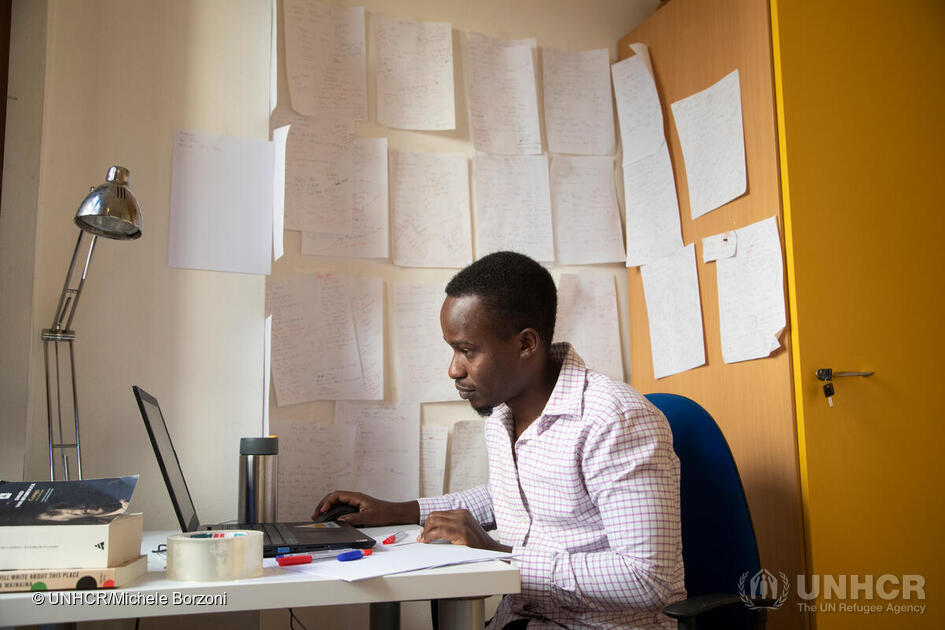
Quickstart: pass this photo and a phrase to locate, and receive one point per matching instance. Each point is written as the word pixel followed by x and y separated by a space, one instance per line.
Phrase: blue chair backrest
pixel 718 538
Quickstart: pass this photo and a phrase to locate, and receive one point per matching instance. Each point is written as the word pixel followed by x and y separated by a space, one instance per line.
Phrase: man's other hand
pixel 371 512
pixel 460 528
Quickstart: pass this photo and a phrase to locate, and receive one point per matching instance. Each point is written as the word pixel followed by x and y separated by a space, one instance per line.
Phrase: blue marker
pixel 357 554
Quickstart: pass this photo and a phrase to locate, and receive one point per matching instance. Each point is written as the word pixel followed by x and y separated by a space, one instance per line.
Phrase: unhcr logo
pixel 763 590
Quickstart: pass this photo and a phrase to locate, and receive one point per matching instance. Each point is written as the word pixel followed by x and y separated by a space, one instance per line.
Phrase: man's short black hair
pixel 517 292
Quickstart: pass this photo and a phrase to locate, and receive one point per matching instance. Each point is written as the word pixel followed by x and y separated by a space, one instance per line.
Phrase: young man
pixel 583 481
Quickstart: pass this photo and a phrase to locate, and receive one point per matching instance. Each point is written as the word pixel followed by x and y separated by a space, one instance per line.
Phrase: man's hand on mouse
pixel 460 528
pixel 371 512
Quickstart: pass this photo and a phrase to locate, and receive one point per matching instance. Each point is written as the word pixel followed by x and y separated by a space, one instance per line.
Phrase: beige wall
pixel 194 338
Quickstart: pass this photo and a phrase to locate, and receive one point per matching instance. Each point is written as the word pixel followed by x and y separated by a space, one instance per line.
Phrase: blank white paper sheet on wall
pixel 221 203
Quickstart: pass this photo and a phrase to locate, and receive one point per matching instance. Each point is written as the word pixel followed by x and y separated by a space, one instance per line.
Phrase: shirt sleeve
pixel 632 476
pixel 477 500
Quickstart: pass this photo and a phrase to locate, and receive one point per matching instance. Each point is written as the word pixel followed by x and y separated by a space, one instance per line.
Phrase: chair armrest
pixel 694 606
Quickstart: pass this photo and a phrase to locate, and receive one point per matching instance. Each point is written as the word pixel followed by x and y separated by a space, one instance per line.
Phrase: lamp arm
pixel 69 298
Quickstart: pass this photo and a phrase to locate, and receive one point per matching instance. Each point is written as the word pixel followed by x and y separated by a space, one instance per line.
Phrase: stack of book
pixel 69 535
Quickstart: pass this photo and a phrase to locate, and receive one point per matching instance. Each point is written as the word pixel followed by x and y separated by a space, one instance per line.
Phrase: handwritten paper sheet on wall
pixel 429 195
pixel 319 166
pixel 314 459
pixel 710 130
pixel 432 459
pixel 671 290
pixel 469 462
pixel 587 318
pixel 513 205
pixel 414 74
pixel 368 237
pixel 366 296
pixel 751 294
pixel 503 95
pixel 579 111
pixel 386 448
pixel 584 204
pixel 638 105
pixel 653 228
pixel 314 346
pixel 421 356
pixel 325 60
pixel 221 203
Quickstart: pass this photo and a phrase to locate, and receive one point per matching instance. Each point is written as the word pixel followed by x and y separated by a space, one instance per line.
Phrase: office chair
pixel 719 549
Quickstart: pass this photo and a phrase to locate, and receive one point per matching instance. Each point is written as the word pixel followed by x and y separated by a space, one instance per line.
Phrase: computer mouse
pixel 332 515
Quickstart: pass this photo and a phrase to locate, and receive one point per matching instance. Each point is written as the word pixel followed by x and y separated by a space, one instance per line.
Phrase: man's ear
pixel 530 342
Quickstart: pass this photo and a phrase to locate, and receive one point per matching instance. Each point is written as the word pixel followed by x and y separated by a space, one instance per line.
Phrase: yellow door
pixel 861 115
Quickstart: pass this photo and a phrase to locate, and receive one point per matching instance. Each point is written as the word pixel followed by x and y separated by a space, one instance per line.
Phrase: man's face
pixel 485 365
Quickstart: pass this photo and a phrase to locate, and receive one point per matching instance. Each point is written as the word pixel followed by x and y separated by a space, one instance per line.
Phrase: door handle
pixel 827 374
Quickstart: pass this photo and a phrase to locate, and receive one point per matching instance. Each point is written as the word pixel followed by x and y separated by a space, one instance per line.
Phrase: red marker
pixel 395 537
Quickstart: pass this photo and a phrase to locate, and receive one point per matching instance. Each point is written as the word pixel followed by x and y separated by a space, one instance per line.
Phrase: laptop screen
pixel 167 460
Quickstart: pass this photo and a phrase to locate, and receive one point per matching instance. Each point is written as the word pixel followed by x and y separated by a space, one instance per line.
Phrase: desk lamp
pixel 109 210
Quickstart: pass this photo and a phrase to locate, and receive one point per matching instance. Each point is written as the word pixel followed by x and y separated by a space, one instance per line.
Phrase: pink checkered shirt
pixel 592 509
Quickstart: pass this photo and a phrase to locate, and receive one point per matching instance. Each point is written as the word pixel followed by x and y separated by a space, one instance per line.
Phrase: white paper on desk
pixel 280 137
pixel 386 448
pixel 429 196
pixel 414 73
pixel 469 462
pixel 718 246
pixel 393 559
pixel 221 203
pixel 638 105
pixel 579 109
pixel 366 297
pixel 653 229
pixel 751 294
pixel 709 124
pixel 325 60
pixel 432 459
pixel 315 457
pixel 586 216
pixel 314 345
pixel 421 357
pixel 501 85
pixel 369 212
pixel 319 190
pixel 513 205
pixel 587 318
pixel 671 290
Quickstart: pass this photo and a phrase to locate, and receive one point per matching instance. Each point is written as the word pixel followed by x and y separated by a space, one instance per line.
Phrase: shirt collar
pixel 567 397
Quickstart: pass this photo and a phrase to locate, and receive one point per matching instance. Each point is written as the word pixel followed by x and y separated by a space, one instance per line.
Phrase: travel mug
pixel 259 480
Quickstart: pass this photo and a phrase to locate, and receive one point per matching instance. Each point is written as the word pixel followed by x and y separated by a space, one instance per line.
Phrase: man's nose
pixel 456 369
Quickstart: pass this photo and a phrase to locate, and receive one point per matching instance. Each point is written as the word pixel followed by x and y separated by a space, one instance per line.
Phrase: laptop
pixel 278 538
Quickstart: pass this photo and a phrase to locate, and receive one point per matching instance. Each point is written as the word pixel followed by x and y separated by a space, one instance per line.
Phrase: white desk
pixel 277 588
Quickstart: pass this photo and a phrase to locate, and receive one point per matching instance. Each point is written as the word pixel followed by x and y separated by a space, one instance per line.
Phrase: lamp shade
pixel 110 210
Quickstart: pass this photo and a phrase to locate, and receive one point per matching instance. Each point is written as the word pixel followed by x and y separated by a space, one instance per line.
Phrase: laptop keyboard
pixel 278 534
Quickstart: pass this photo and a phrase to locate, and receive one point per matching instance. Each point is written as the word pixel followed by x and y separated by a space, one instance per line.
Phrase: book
pixel 82 501
pixel 71 546
pixel 78 579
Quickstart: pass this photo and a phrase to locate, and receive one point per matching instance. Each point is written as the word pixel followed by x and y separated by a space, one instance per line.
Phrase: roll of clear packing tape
pixel 213 555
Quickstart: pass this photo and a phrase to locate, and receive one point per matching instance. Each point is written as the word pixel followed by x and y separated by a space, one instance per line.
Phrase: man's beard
pixel 484 412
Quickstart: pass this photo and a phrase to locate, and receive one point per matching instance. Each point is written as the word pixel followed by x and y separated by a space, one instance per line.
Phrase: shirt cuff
pixel 433 504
